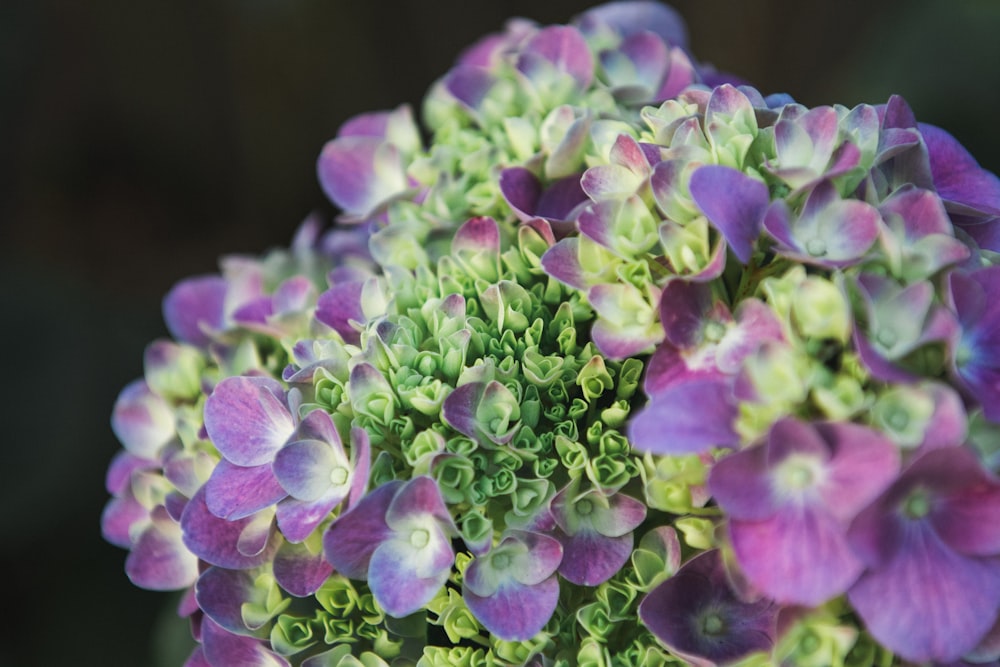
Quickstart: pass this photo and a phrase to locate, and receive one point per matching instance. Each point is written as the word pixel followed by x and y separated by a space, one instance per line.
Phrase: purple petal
pixel 123 465
pixel 623 515
pixel 477 235
pixel 680 75
pixel 862 464
pixel 159 561
pixel 221 593
pixel 469 84
pixel 796 557
pixel 395 580
pixel 361 462
pixel 297 519
pixel 522 189
pixel 254 313
pixel 419 496
pixel 366 125
pixel 928 603
pixel 683 308
pixel 564 48
pixel 562 262
pixel 733 202
pixel 247 420
pixel 459 408
pixel 119 517
pixel 300 571
pixel 687 418
pixel 235 492
pixel 142 421
pixel 516 612
pixel 224 648
pixel 741 484
pixel 920 211
pixel 340 308
pixel 957 176
pixel 194 307
pixel 359 173
pixel 217 541
pixel 541 559
pixel 628 17
pixel 304 469
pixel 561 200
pixel 354 535
pixel 590 558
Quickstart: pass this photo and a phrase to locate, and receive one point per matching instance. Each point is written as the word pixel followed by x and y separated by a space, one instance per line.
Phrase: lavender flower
pixel 596 310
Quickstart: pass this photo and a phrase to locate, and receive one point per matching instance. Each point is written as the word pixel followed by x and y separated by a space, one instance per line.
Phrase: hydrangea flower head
pixel 609 359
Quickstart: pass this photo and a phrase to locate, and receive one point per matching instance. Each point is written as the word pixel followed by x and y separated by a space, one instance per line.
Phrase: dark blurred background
pixel 141 139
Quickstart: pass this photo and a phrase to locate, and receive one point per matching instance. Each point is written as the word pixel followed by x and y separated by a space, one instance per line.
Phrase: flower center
pixel 898 418
pixel 886 338
pixel 712 625
pixel 419 538
pixel 338 476
pixel 816 247
pixel 584 507
pixel 500 561
pixel 797 473
pixel 917 505
pixel 714 331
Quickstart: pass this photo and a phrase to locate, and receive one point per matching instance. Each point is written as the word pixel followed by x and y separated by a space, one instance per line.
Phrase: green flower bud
pixel 459 656
pixel 338 630
pixel 903 413
pixel 595 620
pixel 457 620
pixel 572 454
pixel 687 247
pixel 455 475
pixel 369 610
pixel 614 443
pixel 328 389
pixel 594 378
pixel 544 467
pixel 840 397
pixel 461 445
pixel 383 469
pixel 567 429
pixel 609 472
pixel 820 310
pixel 539 369
pixel 337 595
pixel 592 654
pixel 507 304
pixel 424 444
pixel 616 414
pixel 530 496
pixel 265 602
pixel 594 432
pixel 699 533
pixel 628 379
pixel 291 634
pixel 616 597
pixel 817 640
pixel 674 484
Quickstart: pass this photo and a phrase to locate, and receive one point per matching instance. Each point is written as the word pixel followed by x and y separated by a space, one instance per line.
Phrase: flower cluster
pixel 626 365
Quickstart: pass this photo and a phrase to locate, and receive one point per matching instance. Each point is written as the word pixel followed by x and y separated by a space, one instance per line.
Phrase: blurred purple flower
pixel 696 614
pixel 790 499
pixel 930 544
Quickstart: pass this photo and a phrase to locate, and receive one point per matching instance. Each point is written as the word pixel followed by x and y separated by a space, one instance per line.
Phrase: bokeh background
pixel 141 139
